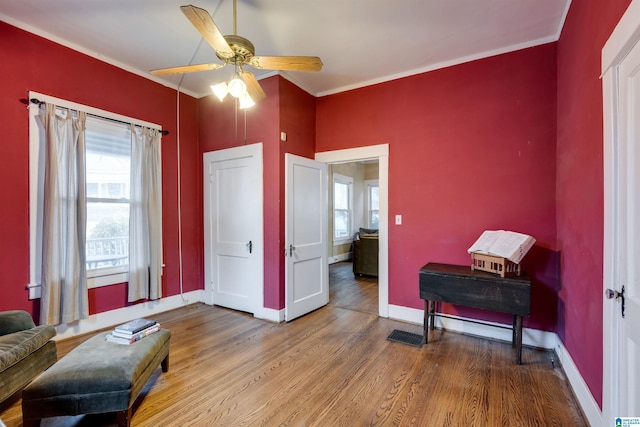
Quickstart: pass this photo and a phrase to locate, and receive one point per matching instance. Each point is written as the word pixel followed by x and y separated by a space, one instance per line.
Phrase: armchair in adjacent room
pixel 365 253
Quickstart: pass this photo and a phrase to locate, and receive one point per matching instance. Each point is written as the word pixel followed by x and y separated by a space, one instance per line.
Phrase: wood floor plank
pixel 334 367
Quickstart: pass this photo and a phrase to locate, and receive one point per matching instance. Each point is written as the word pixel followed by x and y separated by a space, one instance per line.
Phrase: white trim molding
pixel 490 330
pixel 341 257
pixel 270 314
pixel 588 404
pixel 111 318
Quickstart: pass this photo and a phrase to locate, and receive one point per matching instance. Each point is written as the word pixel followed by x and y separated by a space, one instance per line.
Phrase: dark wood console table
pixel 459 285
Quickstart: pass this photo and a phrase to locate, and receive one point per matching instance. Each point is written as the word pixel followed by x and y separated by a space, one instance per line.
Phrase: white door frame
pixel 380 152
pixel 622 39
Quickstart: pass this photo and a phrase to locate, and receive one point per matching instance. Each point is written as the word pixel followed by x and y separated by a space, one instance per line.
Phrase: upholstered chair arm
pixel 14 321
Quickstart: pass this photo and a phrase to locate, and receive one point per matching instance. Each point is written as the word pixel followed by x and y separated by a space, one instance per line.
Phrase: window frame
pixel 345 180
pixel 95 278
pixel 368 184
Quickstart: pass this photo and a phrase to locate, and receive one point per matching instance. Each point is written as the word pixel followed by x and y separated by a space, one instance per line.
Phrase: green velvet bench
pixel 96 377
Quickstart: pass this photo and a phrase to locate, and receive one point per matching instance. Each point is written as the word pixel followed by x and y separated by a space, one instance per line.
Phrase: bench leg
pixel 165 364
pixel 124 418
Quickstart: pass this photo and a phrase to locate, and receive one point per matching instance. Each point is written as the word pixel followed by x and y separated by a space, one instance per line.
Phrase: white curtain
pixel 64 271
pixel 145 216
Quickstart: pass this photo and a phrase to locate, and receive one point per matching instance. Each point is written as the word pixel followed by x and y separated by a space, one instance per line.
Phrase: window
pixel 108 170
pixel 342 207
pixel 373 203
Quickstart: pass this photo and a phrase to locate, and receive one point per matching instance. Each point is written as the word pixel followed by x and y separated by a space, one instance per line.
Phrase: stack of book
pixel 133 331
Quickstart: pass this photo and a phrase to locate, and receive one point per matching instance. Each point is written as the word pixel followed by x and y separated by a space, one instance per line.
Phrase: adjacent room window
pixel 372 203
pixel 342 207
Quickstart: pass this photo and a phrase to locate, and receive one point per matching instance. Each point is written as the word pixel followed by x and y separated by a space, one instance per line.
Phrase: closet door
pixel 233 226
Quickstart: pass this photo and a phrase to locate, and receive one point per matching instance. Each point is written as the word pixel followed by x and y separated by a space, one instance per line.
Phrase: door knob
pixel 612 294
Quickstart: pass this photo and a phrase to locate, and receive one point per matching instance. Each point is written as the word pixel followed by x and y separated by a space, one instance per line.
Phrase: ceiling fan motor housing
pixel 242 48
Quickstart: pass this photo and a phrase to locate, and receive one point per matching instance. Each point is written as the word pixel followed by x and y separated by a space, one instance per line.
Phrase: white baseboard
pixel 263 313
pixel 530 337
pixel 270 314
pixel 588 404
pixel 122 315
pixel 339 258
pixel 406 314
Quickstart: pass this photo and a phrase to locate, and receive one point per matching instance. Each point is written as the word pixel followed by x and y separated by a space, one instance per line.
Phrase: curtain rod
pixel 37 101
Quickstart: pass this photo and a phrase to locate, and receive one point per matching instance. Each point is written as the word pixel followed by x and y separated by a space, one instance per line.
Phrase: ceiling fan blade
pixel 297 63
pixel 203 22
pixel 253 87
pixel 185 69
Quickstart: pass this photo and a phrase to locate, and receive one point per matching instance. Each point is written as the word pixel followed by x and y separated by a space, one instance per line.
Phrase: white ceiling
pixel 360 42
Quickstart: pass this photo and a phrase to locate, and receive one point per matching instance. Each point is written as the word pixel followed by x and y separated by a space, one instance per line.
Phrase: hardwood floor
pixel 359 293
pixel 334 367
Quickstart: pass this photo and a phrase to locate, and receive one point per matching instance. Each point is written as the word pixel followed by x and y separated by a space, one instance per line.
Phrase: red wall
pixel 513 141
pixel 222 125
pixel 298 121
pixel 471 148
pixel 580 183
pixel 289 109
pixel 33 63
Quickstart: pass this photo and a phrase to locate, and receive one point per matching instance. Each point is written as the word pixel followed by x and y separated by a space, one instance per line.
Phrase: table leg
pixel 518 338
pixel 425 323
pixel 432 315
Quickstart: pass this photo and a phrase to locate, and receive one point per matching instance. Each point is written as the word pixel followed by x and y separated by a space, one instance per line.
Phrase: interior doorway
pixel 353 211
pixel 379 153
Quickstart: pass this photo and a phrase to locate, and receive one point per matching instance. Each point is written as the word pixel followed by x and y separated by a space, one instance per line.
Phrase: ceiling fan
pixel 238 51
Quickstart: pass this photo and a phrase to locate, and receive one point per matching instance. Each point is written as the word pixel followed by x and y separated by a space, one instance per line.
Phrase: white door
pixel 233 227
pixel 307 269
pixel 621 397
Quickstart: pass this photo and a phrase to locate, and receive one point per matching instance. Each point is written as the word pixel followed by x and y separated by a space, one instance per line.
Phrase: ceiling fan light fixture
pixel 220 90
pixel 238 51
pixel 237 87
pixel 246 102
